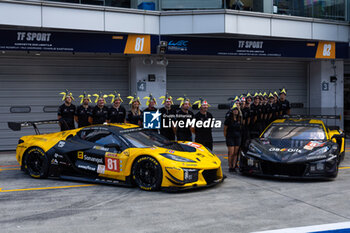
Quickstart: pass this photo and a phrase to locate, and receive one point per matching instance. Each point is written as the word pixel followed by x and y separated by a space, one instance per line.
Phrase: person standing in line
pixel 100 111
pixel 66 111
pixel 168 115
pixel 134 115
pixel 284 106
pixel 203 135
pixel 84 111
pixel 116 113
pixel 232 133
pixel 183 116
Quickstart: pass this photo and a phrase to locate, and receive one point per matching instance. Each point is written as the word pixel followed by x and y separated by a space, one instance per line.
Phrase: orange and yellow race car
pixel 122 154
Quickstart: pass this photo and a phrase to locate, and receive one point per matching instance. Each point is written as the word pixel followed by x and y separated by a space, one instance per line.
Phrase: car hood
pixel 201 156
pixel 286 150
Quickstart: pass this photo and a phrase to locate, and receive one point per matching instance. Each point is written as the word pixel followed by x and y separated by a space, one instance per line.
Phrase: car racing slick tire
pixel 147 173
pixel 36 163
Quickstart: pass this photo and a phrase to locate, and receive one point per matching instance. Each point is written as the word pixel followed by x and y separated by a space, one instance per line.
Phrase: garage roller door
pixel 34 82
pixel 217 80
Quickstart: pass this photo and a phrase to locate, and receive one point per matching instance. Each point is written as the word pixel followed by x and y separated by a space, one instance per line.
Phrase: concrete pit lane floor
pixel 240 204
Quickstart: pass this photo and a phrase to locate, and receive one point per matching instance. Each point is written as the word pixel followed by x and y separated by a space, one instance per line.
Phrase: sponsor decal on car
pixel 100 148
pixel 80 155
pixel 195 145
pixel 93 159
pixel 273 149
pixel 58 156
pixel 312 144
pixel 111 155
pixel 86 167
pixel 61 144
pixel 101 169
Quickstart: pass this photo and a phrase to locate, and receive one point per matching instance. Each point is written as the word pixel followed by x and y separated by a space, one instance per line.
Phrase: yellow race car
pixel 122 154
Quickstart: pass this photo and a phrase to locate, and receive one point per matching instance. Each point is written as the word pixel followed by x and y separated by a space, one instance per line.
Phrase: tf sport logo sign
pixel 151 120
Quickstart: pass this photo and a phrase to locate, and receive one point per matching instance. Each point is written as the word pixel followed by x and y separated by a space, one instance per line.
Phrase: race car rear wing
pixel 17 126
pixel 334 117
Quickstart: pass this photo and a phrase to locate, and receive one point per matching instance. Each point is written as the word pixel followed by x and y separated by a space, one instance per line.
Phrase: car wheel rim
pixel 147 173
pixel 35 162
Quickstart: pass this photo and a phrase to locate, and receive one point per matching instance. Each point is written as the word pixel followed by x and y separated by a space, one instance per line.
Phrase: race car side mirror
pixel 337 136
pixel 113 145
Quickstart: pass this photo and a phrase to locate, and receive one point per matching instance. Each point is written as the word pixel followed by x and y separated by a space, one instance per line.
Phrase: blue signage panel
pixel 248 47
pixel 62 41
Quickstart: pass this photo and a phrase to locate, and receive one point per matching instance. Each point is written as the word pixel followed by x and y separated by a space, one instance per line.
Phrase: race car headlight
pixel 254 149
pixel 320 151
pixel 177 158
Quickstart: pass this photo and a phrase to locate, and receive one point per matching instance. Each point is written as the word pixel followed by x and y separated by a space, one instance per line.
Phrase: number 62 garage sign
pixel 325 49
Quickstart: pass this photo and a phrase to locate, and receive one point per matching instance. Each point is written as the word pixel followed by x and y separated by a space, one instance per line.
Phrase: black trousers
pixel 66 124
pixel 206 144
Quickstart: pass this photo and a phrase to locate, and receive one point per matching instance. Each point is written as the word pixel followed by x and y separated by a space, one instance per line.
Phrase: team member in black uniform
pixel 168 115
pixel 116 113
pixel 203 135
pixel 183 116
pixel 66 112
pixel 232 133
pixel 245 121
pixel 134 114
pixel 264 111
pixel 84 111
pixel 255 117
pixel 100 111
pixel 275 96
pixel 272 109
pixel 249 99
pixel 284 106
pixel 233 101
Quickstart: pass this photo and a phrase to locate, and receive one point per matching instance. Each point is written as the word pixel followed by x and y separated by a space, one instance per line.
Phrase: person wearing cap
pixel 234 100
pixel 84 111
pixel 203 135
pixel 245 109
pixel 272 109
pixel 255 117
pixel 183 116
pixel 249 99
pixel 116 113
pixel 134 115
pixel 284 106
pixel 232 133
pixel 66 111
pixel 275 100
pixel 151 103
pixel 168 115
pixel 264 111
pixel 100 111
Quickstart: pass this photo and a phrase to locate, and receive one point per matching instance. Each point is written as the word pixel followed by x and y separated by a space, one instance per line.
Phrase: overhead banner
pixel 52 41
pixel 74 42
pixel 254 47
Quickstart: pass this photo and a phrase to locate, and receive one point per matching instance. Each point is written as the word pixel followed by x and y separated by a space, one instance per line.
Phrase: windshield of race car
pixel 295 132
pixel 146 138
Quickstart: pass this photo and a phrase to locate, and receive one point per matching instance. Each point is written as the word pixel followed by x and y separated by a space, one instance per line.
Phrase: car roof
pixel 115 127
pixel 300 120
